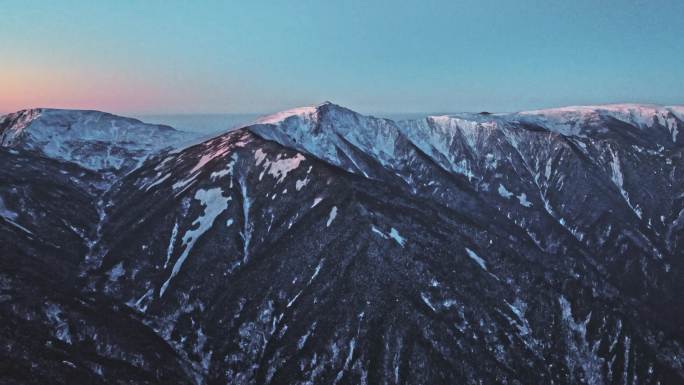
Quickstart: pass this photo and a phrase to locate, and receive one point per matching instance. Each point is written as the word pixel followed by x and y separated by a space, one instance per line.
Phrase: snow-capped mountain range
pixel 319 245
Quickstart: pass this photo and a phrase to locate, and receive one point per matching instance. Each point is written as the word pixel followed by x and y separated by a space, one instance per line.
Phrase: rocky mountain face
pixel 321 246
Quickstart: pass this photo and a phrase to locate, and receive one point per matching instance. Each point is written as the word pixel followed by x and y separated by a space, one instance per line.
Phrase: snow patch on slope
pixel 331 217
pixel 393 234
pixel 504 192
pixel 214 149
pixel 522 198
pixel 278 168
pixel 618 179
pixel 11 217
pixel 214 204
pixel 476 258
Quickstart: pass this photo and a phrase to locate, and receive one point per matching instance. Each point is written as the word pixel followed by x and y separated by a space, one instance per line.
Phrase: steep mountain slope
pixel 319 245
pixel 50 331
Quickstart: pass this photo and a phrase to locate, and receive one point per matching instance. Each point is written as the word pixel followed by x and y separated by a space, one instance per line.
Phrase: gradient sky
pixel 137 57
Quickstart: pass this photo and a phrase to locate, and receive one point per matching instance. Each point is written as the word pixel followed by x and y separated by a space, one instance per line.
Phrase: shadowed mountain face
pixel 318 245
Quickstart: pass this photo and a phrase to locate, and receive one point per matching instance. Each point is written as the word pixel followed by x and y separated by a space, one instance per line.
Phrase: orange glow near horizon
pixel 30 87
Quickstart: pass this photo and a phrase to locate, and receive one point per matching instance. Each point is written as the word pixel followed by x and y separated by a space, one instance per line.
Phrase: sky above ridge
pixel 135 57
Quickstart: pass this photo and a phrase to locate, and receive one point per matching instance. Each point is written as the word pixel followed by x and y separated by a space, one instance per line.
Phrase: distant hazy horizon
pixel 201 123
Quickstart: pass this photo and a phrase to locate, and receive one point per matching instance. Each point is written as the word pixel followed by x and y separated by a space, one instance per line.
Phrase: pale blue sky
pixel 372 56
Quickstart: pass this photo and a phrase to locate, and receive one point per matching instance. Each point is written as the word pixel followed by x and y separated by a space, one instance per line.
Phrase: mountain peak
pixel 305 113
pixel 333 133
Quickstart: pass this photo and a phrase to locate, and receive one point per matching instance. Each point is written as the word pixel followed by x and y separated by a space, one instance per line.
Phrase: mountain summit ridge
pixel 335 133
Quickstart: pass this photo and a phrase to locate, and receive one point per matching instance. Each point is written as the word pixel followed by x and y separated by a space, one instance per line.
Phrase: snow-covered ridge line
pixel 641 113
pixel 568 119
pixel 92 139
pixel 346 139
pixel 98 140
pixel 30 114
